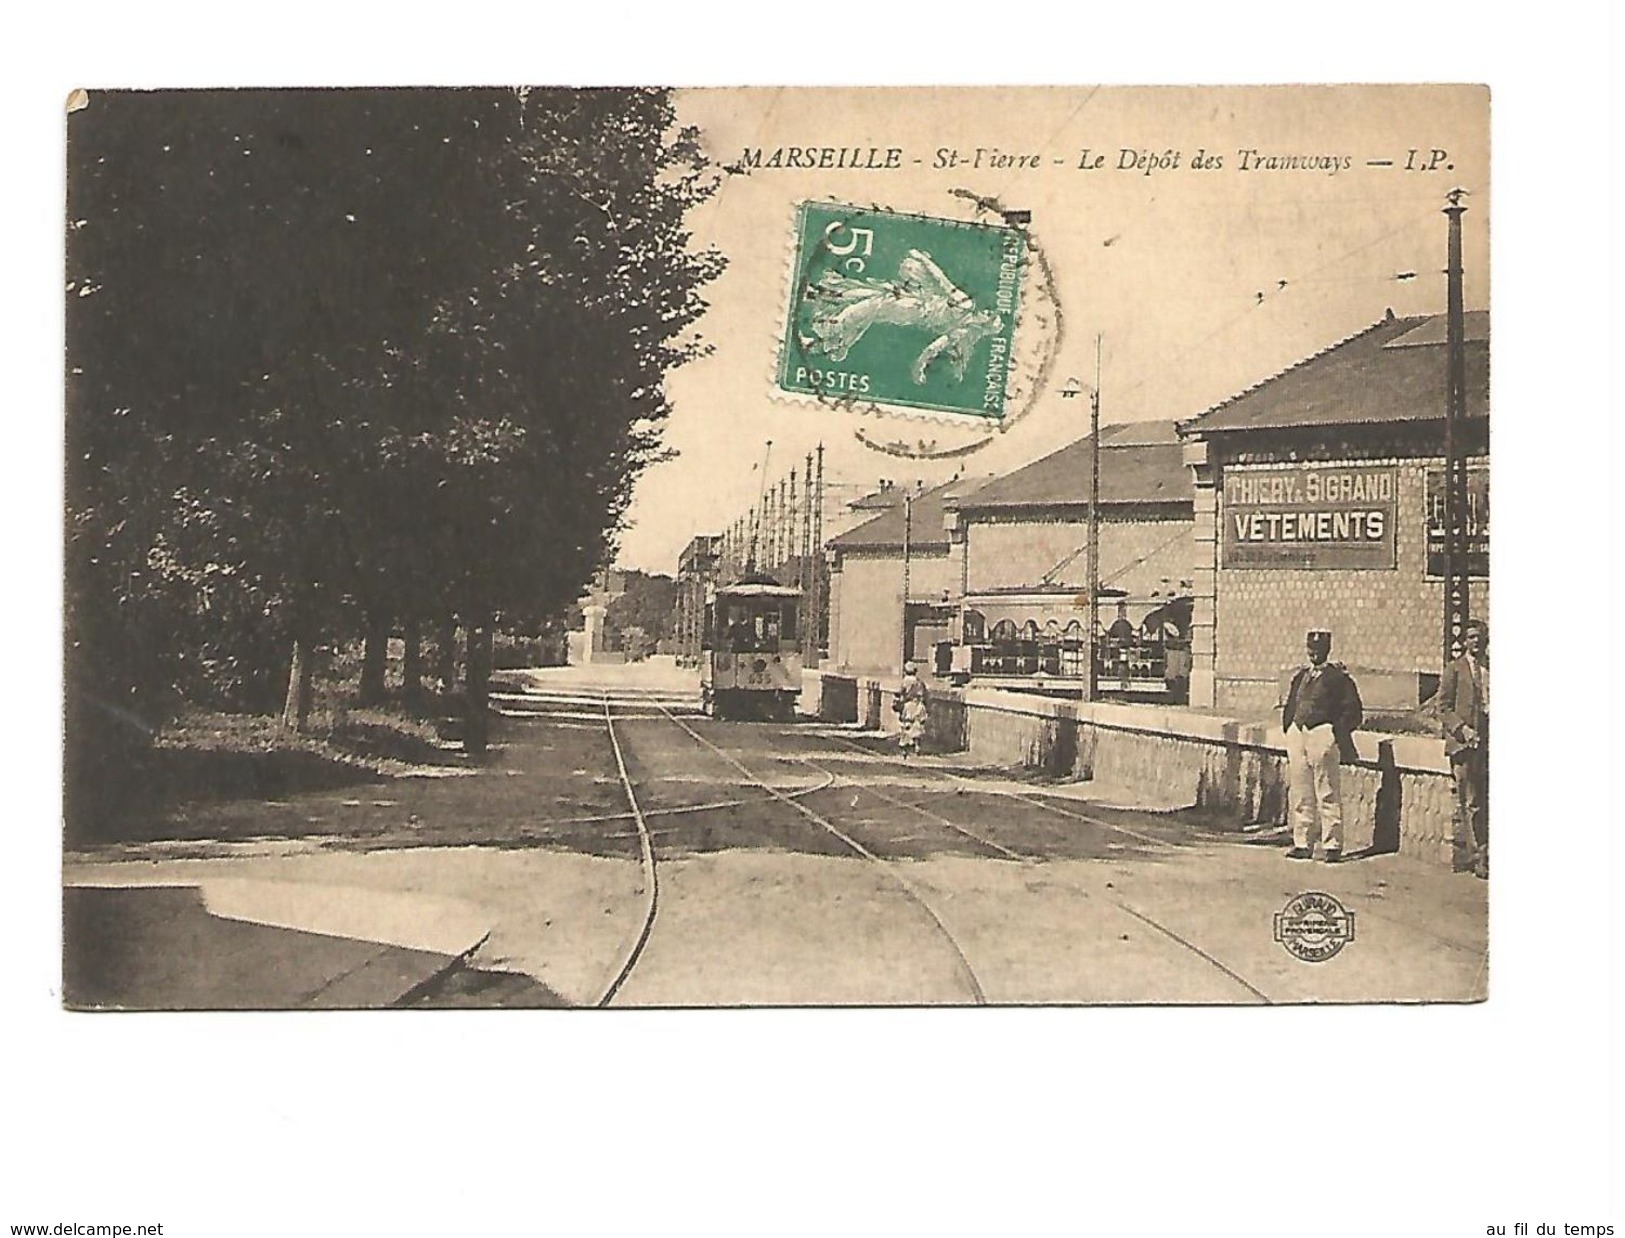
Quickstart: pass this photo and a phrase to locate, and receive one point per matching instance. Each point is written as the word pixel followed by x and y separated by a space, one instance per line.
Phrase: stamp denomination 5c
pixel 905 310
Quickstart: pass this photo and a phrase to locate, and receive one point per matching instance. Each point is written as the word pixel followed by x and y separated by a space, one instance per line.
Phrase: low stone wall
pixel 1398 796
pixel 836 697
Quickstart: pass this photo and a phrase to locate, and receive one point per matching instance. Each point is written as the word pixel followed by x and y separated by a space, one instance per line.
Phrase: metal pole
pixel 779 527
pixel 787 517
pixel 1455 460
pixel 1093 689
pixel 804 577
pixel 770 530
pixel 819 567
pixel 766 552
pixel 908 531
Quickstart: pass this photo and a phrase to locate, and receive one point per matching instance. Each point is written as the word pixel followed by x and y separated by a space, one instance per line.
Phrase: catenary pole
pixel 1455 459
pixel 819 571
pixel 1093 683
pixel 908 531
pixel 804 575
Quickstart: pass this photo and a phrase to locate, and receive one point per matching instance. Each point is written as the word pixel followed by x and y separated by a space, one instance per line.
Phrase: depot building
pixel 1000 565
pixel 893 586
pixel 1022 540
pixel 1319 503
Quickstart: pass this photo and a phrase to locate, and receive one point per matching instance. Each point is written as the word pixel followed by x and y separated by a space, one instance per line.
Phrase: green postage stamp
pixel 904 310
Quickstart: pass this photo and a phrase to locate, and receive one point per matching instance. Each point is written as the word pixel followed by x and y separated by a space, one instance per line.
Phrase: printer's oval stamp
pixel 1314 927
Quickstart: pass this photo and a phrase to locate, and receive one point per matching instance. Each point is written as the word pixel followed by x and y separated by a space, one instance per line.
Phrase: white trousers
pixel 1313 786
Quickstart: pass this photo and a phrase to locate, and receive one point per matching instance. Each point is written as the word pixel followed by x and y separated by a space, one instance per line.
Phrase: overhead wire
pixel 1264 297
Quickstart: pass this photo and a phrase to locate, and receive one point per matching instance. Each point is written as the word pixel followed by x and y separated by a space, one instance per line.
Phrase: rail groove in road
pixel 651 884
pixel 596 701
pixel 908 887
pixel 1119 903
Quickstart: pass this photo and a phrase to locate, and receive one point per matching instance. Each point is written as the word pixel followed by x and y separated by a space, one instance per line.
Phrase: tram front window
pixel 753 631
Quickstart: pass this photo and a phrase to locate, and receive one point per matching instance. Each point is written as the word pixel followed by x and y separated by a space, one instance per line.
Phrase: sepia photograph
pixel 734 547
pixel 812 621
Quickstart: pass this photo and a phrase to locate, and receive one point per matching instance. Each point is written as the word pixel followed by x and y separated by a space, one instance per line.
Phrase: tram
pixel 750 650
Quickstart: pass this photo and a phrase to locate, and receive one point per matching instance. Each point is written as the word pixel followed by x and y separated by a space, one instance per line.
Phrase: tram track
pixel 630 955
pixel 887 867
pixel 651 879
pixel 1112 899
pixel 636 943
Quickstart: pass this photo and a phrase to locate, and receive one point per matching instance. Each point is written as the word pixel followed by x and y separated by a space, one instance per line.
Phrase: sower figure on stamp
pixel 1464 716
pixel 912 711
pixel 1321 714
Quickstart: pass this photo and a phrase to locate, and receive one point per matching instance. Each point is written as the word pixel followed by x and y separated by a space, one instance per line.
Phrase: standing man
pixel 1321 714
pixel 1464 716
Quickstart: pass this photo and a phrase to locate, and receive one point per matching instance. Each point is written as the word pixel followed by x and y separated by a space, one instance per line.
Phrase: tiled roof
pixel 878 500
pixel 1392 371
pixel 1140 462
pixel 886 530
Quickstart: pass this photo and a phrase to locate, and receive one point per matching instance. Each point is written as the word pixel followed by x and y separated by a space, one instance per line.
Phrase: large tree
pixel 340 361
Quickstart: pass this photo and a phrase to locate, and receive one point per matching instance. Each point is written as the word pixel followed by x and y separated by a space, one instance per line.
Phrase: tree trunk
pixel 374 657
pixel 411 663
pixel 479 683
pixel 296 705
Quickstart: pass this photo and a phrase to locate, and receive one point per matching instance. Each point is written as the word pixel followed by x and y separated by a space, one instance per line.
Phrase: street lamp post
pixel 1092 690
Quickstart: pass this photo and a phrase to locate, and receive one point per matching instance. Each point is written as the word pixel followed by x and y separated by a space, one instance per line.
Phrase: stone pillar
pixel 832 608
pixel 1204 575
pixel 959 559
pixel 593 642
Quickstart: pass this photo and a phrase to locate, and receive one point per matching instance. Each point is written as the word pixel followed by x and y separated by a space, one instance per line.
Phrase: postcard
pixel 554 547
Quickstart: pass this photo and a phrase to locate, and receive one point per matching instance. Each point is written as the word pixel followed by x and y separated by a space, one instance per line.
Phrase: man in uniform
pixel 1320 717
pixel 1464 715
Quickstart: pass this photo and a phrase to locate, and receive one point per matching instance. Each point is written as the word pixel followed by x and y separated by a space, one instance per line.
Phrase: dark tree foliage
pixel 648 604
pixel 341 360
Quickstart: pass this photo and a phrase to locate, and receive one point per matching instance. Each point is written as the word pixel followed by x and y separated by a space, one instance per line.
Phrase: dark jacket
pixel 1334 699
pixel 1461 705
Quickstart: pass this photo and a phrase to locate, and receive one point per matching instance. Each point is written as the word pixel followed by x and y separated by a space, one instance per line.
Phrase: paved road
pixel 797 864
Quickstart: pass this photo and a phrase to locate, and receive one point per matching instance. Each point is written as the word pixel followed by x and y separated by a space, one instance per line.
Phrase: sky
pixel 1199 282
pixel 997 1121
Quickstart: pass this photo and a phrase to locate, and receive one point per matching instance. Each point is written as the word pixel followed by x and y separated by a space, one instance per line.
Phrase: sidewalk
pixel 282 925
pixel 230 943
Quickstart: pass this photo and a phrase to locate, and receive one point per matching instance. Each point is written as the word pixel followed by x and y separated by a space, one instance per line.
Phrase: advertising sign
pixel 1478 523
pixel 1316 517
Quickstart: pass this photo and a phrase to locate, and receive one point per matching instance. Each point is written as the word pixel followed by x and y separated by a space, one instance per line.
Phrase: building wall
pixel 1381 619
pixel 866 605
pixel 1142 556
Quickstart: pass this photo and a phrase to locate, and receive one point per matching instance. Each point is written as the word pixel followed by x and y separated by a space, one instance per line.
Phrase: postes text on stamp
pixel 905 310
